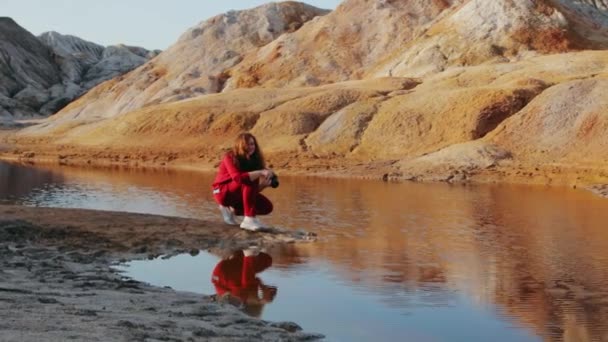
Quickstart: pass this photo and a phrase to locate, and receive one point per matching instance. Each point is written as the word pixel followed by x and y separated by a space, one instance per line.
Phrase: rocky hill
pixel 441 90
pixel 418 38
pixel 195 65
pixel 40 75
pixel 89 64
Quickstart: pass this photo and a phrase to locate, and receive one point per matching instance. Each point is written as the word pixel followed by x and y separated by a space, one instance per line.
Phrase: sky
pixel 151 24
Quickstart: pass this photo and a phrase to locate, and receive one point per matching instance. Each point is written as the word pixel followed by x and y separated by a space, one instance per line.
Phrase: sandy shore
pixel 57 284
pixel 45 150
pixel 593 178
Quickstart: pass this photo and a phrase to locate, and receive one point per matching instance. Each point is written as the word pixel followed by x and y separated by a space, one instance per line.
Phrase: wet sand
pixel 57 284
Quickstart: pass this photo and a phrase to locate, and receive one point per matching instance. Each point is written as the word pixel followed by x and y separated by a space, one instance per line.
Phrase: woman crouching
pixel 241 176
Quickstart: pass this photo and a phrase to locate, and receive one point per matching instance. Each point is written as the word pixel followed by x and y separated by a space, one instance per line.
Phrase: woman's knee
pixel 265 206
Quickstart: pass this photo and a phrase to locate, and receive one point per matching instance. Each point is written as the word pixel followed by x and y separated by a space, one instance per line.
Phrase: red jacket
pixel 237 274
pixel 228 171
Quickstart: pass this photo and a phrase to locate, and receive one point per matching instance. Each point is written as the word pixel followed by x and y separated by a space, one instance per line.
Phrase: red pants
pixel 244 198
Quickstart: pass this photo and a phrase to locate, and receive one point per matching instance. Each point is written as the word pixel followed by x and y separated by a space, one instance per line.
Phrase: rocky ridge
pixel 419 38
pixel 195 65
pixel 40 75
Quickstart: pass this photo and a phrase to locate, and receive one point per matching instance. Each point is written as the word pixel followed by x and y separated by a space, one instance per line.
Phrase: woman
pixel 241 176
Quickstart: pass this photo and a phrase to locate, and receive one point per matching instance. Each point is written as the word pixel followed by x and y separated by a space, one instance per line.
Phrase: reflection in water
pixel 236 277
pixel 162 192
pixel 507 258
pixel 541 256
pixel 18 182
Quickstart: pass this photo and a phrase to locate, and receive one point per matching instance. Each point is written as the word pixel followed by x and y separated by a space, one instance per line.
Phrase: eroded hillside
pixel 40 75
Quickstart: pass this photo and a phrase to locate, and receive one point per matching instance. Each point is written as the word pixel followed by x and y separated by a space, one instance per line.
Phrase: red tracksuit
pixel 237 275
pixel 233 188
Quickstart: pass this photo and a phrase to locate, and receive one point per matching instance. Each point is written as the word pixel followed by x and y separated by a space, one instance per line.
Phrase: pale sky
pixel 151 24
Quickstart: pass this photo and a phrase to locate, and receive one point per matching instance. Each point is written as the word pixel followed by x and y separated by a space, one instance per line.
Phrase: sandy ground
pixel 57 284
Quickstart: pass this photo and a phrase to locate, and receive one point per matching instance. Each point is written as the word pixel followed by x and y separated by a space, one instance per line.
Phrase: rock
pixel 420 38
pixel 32 97
pixel 42 74
pixel 288 326
pixel 185 70
pixel 114 61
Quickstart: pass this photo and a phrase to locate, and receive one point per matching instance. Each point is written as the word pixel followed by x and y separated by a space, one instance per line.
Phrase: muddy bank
pixel 57 284
pixel 305 164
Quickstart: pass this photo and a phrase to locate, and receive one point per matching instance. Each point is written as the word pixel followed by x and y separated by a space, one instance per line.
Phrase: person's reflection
pixel 235 276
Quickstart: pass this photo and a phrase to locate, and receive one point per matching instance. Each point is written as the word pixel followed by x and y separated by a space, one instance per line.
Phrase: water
pixel 419 262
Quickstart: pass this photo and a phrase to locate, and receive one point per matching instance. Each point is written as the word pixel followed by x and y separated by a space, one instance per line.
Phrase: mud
pixel 57 282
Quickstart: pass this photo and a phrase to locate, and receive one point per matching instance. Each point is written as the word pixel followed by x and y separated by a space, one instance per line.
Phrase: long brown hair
pixel 243 162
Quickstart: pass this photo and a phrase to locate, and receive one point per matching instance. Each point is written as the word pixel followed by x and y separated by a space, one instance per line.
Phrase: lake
pixel 394 261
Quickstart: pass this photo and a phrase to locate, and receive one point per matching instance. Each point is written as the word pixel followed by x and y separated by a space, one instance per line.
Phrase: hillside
pixel 40 75
pixel 442 90
pixel 195 64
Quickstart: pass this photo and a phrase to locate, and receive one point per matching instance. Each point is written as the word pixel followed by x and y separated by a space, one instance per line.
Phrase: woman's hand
pixel 265 178
pixel 260 175
pixel 267 173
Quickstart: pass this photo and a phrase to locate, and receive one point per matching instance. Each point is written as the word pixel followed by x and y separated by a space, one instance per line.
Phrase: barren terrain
pixel 57 284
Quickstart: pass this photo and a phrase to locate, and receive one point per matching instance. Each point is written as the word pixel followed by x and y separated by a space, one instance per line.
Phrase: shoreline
pixel 44 151
pixel 57 280
pixel 594 180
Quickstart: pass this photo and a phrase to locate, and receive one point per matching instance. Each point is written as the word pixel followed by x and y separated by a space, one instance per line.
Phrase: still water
pixel 394 262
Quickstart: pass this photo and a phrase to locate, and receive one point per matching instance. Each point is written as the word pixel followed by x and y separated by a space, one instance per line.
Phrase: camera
pixel 274 181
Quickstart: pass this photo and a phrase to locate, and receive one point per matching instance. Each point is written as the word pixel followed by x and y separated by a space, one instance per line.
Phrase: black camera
pixel 274 181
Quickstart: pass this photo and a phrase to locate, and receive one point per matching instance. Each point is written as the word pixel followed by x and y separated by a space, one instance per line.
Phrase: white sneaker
pixel 228 216
pixel 252 223
pixel 251 251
